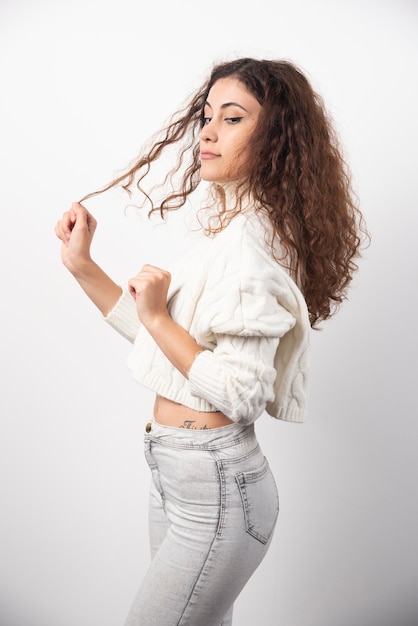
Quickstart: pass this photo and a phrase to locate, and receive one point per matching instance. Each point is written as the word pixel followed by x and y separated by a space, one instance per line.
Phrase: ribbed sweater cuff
pixel 123 317
pixel 204 380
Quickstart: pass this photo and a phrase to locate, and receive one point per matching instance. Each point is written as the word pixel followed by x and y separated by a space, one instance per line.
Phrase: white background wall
pixel 83 83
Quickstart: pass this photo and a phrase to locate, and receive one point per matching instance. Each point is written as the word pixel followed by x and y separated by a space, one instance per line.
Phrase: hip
pixel 220 474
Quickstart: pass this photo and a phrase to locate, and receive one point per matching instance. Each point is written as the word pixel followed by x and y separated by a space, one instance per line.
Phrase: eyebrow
pixel 227 104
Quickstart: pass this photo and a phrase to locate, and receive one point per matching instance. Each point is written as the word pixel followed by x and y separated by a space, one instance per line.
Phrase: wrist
pixel 156 323
pixel 81 268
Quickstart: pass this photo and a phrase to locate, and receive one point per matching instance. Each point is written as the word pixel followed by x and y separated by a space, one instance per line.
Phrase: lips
pixel 205 155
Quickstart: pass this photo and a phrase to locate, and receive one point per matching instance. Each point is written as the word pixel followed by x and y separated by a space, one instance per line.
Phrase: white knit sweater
pixel 240 305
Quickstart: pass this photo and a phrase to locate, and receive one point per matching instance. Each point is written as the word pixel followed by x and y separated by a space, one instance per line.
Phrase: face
pixel 230 117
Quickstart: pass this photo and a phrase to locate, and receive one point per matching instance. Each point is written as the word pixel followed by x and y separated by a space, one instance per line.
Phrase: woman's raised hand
pixel 149 289
pixel 76 230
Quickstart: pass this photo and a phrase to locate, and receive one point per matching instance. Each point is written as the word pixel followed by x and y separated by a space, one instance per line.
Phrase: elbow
pixel 240 390
pixel 244 406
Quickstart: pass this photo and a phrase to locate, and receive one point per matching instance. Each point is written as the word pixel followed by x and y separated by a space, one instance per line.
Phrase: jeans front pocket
pixel 260 501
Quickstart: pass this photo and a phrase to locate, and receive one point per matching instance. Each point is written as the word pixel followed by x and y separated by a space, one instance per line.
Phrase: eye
pixel 206 120
pixel 233 120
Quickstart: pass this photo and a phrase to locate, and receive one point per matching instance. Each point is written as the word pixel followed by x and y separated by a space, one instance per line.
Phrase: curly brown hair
pixel 298 175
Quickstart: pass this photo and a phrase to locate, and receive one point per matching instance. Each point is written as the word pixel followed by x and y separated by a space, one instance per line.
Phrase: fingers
pixel 149 288
pixel 134 287
pixel 65 225
pixel 151 275
pixel 76 218
pixel 150 278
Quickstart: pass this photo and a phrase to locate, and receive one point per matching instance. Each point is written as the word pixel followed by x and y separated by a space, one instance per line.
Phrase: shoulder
pixel 247 292
pixel 247 236
pixel 243 251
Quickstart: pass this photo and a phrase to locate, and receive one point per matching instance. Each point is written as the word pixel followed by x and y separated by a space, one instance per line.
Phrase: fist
pixel 75 229
pixel 149 289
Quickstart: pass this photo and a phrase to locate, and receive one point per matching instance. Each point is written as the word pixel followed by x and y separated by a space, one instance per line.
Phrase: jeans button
pixel 148 427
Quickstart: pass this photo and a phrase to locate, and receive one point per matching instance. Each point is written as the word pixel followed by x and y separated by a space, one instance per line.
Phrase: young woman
pixel 224 336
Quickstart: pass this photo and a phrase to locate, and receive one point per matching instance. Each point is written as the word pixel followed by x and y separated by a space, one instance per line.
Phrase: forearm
pixel 98 286
pixel 177 344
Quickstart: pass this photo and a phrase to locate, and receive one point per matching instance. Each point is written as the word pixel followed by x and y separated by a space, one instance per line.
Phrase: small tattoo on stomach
pixel 190 425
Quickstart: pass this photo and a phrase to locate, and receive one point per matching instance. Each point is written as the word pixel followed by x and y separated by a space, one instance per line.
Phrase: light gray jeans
pixel 213 508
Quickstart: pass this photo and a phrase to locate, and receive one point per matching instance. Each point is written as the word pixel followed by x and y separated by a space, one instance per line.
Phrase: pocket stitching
pixel 247 478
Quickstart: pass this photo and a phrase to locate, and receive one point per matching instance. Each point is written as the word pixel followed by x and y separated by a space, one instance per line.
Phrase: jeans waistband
pixel 208 439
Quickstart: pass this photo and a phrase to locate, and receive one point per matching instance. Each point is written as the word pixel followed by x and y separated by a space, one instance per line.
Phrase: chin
pixel 208 176
pixel 216 178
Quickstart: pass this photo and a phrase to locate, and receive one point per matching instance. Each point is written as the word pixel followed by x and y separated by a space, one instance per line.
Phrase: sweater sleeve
pixel 237 377
pixel 242 318
pixel 123 317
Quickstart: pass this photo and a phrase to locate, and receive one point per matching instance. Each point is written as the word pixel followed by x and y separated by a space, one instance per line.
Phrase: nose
pixel 208 132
